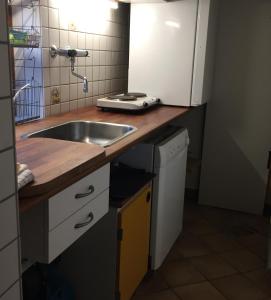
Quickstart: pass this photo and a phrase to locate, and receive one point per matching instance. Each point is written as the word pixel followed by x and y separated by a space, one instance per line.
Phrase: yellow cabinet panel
pixel 134 246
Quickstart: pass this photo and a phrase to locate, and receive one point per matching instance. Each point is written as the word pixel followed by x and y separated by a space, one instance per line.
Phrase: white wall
pixel 9 234
pixel 238 126
pixel 194 122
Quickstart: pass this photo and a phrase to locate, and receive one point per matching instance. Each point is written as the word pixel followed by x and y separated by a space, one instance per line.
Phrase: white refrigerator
pixel 172 50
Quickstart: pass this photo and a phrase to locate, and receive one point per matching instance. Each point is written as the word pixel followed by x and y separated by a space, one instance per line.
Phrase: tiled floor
pixel 220 255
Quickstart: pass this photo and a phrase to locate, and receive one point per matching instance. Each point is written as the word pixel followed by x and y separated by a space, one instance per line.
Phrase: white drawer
pixel 8 220
pixel 67 202
pixel 69 231
pixel 12 294
pixel 9 264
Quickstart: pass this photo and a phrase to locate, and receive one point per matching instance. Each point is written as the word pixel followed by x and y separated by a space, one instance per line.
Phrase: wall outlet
pixel 55 95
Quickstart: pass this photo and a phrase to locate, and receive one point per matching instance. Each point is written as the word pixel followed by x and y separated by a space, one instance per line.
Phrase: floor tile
pixel 237 287
pixel 221 242
pixel 256 243
pixel 199 291
pixel 243 260
pixel 165 295
pixel 260 250
pixel 262 278
pixel 200 227
pixel 192 213
pixel 252 239
pixel 151 284
pixel 180 273
pixel 216 216
pixel 212 266
pixel 174 253
pixel 190 246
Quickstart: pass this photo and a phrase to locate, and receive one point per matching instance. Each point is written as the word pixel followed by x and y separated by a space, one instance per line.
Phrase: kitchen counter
pixel 56 164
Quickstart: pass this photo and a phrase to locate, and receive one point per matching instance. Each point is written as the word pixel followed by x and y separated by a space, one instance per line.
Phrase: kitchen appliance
pixel 172 49
pixel 166 157
pixel 128 102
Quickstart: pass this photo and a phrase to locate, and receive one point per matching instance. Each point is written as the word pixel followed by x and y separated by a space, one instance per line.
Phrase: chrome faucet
pixel 84 78
pixel 72 53
pixel 28 85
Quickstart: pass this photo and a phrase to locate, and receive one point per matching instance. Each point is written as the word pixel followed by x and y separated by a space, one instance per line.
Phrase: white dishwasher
pixel 165 156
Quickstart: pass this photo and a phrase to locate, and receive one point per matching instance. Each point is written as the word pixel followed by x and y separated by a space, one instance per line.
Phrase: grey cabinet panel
pixel 90 263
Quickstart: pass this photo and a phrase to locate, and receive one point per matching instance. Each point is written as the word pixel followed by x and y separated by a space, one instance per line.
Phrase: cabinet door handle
pixel 83 224
pixel 90 191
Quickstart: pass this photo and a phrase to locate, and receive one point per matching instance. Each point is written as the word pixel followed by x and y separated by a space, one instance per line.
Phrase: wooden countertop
pixel 56 164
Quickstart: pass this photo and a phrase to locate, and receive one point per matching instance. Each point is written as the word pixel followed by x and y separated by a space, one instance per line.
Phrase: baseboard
pixel 267 210
pixel 192 195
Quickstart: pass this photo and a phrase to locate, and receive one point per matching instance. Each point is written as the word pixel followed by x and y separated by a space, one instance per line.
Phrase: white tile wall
pixel 13 293
pixel 6 126
pixel 65 107
pixel 7 174
pixel 9 259
pixel 8 221
pixel 10 264
pixel 44 16
pixel 106 48
pixel 64 38
pixel 64 75
pixel 4 74
pixel 53 18
pixel 65 93
pixel 54 37
pixel 3 29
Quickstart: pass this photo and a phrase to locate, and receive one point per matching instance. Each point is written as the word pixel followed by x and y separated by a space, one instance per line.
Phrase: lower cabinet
pixel 110 260
pixel 134 240
pixel 90 263
pixel 51 227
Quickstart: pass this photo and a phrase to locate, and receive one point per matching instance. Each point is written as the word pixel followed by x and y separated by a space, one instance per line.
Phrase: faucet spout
pixel 84 78
pixel 85 85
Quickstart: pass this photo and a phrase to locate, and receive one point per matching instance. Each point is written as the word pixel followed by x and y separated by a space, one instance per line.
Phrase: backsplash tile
pixel 106 67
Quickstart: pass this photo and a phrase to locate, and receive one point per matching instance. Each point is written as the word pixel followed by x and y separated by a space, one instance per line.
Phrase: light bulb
pixel 113 4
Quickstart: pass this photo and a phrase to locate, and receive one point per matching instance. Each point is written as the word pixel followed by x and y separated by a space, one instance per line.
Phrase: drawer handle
pixel 83 224
pixel 91 190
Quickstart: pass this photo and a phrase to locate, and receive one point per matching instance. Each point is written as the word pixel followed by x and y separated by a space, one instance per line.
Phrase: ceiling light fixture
pixel 113 4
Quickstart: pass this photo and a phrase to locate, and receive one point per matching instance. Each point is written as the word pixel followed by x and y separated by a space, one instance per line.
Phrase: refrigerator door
pixel 172 50
pixel 162 44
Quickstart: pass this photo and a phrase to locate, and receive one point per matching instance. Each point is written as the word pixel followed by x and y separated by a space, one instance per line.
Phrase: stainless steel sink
pixel 100 133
